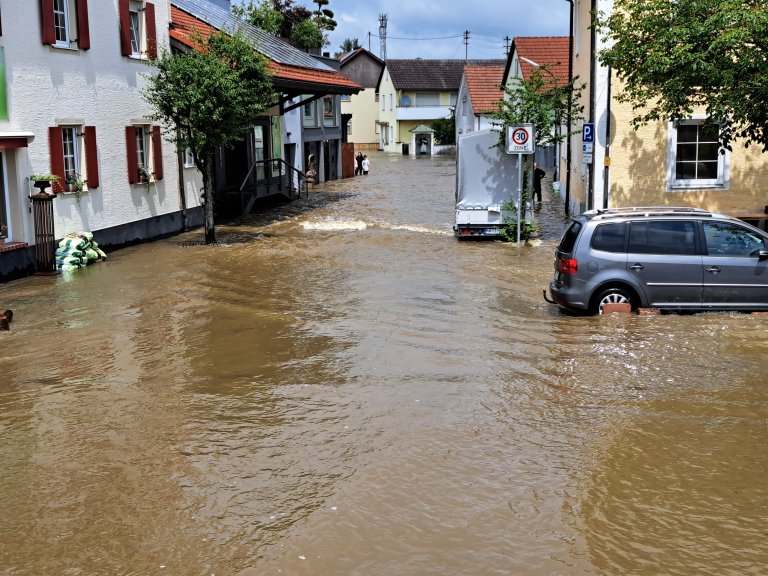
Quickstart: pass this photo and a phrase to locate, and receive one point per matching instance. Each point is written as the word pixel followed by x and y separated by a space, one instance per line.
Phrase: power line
pixel 402 38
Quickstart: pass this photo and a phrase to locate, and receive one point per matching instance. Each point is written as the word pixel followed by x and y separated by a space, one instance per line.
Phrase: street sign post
pixel 519 140
pixel 587 142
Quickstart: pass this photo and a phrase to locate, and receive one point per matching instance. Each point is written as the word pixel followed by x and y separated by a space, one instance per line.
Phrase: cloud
pixel 433 29
pixel 430 29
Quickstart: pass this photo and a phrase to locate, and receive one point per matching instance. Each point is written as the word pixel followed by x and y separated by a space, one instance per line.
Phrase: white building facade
pixel 75 72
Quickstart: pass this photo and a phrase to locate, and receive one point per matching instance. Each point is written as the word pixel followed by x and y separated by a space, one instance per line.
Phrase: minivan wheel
pixel 613 296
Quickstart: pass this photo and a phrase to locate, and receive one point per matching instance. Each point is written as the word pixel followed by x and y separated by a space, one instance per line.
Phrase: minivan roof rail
pixel 660 210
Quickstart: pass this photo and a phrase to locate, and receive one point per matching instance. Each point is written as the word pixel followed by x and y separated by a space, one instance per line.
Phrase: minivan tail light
pixel 568 265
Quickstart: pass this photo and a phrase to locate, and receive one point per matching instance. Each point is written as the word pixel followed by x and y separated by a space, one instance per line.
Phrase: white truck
pixel 486 181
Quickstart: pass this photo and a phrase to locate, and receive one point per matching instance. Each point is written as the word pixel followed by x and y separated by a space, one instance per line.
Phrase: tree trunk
pixel 210 232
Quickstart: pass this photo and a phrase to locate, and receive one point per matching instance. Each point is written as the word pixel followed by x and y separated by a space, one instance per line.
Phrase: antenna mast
pixel 383 36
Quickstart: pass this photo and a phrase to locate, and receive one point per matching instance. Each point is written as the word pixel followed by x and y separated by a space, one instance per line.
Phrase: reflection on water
pixel 341 387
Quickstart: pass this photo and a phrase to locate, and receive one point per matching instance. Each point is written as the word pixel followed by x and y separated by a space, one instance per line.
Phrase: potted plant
pixel 145 178
pixel 43 181
pixel 75 184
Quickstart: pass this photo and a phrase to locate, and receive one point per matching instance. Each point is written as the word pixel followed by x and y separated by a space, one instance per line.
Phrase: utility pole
pixel 383 36
pixel 466 44
pixel 507 45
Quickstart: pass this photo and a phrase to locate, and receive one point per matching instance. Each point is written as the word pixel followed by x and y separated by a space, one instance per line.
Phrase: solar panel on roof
pixel 269 45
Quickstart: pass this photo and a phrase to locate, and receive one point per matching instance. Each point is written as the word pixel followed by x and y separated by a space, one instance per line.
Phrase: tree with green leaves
pixel 209 98
pixel 282 18
pixel 542 101
pixel 324 17
pixel 687 56
pixel 349 45
pixel 445 128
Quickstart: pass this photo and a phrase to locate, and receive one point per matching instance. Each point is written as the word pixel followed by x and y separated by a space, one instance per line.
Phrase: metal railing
pixel 270 177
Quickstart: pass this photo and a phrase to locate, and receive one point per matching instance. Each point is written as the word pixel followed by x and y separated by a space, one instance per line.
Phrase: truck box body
pixel 486 179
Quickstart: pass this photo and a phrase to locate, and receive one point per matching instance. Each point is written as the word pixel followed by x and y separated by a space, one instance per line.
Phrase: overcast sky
pixel 412 25
pixel 434 29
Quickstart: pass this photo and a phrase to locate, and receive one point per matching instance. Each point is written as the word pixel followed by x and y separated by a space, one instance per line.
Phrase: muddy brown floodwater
pixel 342 388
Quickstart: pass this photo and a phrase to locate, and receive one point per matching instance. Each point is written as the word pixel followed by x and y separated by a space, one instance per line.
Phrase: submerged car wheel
pixel 613 296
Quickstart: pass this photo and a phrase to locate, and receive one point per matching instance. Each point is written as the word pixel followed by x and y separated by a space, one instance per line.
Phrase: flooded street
pixel 342 388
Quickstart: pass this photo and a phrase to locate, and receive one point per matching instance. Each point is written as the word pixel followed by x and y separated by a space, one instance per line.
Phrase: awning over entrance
pixel 421 129
pixel 15 139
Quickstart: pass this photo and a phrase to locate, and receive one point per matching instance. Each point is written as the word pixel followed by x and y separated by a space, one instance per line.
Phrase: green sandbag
pixel 62 252
pixel 91 254
pixel 68 267
pixel 101 253
pixel 73 243
pixel 69 260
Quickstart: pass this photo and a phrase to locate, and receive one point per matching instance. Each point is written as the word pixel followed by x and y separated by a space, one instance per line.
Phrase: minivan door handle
pixel 637 267
pixel 714 269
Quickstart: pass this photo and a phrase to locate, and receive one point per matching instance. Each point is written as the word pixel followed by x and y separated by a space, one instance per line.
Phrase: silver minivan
pixel 660 257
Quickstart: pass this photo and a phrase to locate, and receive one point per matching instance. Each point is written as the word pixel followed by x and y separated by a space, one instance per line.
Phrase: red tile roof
pixel 184 27
pixel 550 50
pixel 484 85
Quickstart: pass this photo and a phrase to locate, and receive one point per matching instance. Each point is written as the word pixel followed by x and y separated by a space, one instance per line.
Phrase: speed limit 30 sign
pixel 520 139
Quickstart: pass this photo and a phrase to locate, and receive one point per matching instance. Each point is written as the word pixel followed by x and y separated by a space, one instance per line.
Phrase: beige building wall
pixel 640 165
pixel 365 113
pixel 387 114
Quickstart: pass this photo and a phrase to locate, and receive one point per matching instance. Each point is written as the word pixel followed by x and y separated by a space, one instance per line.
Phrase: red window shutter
pixel 157 152
pixel 151 30
pixel 91 158
pixel 125 27
pixel 56 147
pixel 130 148
pixel 46 19
pixel 83 33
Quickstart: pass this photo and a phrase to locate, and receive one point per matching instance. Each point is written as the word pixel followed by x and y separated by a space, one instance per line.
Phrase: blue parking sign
pixel 588 132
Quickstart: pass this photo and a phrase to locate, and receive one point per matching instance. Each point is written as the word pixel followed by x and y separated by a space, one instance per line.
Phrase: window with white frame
pixel 349 128
pixel 142 149
pixel 383 100
pixel 61 22
pixel 72 152
pixel 695 158
pixel 464 106
pixel 309 117
pixel 137 28
pixel 391 102
pixel 145 156
pixel 65 24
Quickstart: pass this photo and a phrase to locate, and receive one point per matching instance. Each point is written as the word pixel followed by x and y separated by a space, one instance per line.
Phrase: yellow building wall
pixel 639 159
pixel 639 168
pixel 365 112
pixel 387 116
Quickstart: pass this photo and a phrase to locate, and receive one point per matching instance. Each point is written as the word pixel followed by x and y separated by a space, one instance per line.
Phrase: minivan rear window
pixel 568 240
pixel 609 237
pixel 662 237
